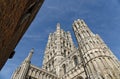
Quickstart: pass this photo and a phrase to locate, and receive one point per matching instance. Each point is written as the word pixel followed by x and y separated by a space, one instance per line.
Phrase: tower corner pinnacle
pixel 30 55
pixel 32 50
pixel 58 26
pixel 79 19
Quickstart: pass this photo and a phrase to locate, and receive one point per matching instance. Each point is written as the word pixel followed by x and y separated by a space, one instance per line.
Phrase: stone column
pixel 30 72
pixel 33 73
pixel 40 75
pixel 37 74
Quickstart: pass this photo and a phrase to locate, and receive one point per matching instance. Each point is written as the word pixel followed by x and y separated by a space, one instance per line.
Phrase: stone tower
pixel 98 60
pixel 92 59
pixel 59 46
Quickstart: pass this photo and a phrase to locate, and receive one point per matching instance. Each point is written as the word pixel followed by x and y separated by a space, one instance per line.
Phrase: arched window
pixel 75 60
pixel 87 46
pixel 64 68
pixel 53 63
pixel 64 53
pixel 49 66
pixel 46 67
pixel 68 53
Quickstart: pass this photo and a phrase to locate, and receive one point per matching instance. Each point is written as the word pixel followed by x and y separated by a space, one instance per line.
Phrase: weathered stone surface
pixel 15 18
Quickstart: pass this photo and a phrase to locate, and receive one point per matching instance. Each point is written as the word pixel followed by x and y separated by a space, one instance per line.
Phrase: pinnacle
pixel 58 25
pixel 32 50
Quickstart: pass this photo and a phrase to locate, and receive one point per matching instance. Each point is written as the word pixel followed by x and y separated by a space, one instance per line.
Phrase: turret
pixel 28 58
pixel 98 60
pixel 21 72
pixel 59 46
pixel 58 27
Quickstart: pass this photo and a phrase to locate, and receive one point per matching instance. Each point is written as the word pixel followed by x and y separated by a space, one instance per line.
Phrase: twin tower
pixel 92 59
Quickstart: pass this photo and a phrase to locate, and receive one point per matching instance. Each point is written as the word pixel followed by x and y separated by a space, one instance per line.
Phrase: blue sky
pixel 102 17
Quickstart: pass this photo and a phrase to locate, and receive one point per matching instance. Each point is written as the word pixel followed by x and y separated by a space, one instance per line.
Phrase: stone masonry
pixel 92 59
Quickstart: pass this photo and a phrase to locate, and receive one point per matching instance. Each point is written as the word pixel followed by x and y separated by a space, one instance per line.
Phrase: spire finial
pixel 58 26
pixel 32 50
pixel 30 55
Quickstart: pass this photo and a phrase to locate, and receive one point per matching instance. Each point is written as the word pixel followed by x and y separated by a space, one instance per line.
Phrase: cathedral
pixel 92 59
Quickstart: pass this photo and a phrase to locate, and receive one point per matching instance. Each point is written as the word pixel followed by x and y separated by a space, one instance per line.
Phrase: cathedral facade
pixel 92 59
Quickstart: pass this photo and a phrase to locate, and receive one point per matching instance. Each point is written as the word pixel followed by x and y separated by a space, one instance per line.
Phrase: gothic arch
pixel 75 60
pixel 64 68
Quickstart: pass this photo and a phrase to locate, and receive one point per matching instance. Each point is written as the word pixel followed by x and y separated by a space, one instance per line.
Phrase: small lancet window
pixel 64 68
pixel 64 53
pixel 75 60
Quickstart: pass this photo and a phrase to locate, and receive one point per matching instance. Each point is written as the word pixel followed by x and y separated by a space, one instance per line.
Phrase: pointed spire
pixel 58 26
pixel 30 55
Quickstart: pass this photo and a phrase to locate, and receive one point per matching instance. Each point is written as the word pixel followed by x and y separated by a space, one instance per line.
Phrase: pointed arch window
pixel 68 53
pixel 46 67
pixel 64 53
pixel 49 66
pixel 79 36
pixel 53 63
pixel 75 60
pixel 64 68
